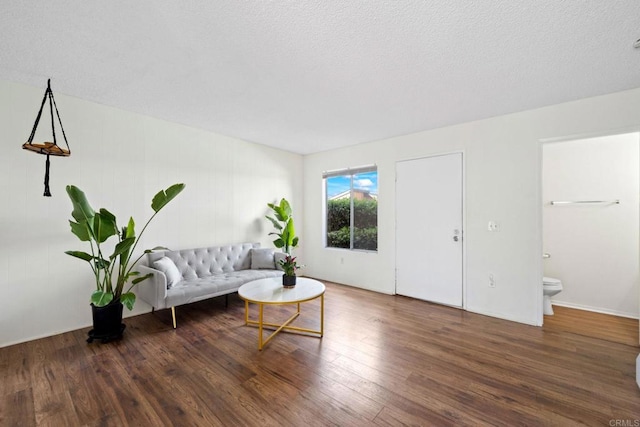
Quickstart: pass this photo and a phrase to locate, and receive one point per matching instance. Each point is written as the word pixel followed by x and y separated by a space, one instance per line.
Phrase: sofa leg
pixel 173 316
pixel 153 309
pixel 226 301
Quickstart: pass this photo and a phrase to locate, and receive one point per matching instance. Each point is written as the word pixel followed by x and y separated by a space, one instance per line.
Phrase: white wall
pixel 120 160
pixel 594 248
pixel 502 183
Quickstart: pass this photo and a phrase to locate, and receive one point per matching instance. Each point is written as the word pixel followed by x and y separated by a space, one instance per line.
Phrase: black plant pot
pixel 107 322
pixel 288 281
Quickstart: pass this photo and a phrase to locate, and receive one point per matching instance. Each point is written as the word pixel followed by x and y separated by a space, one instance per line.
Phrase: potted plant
pixel 283 222
pixel 289 266
pixel 111 272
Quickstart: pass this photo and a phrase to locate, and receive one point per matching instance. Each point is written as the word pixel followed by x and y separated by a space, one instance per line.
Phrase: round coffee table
pixel 271 292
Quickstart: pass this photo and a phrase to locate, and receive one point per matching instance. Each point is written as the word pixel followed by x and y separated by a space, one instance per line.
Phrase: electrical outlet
pixel 493 226
pixel 492 280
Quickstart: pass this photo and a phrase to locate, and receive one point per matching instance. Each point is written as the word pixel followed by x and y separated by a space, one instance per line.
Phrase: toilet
pixel 550 287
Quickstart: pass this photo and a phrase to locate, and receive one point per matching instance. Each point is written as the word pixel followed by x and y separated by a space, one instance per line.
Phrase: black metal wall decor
pixel 48 148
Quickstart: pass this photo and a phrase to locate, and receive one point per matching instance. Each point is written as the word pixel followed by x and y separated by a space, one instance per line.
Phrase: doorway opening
pixel 591 222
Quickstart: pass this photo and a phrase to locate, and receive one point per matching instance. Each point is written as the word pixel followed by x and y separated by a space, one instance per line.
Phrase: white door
pixel 429 229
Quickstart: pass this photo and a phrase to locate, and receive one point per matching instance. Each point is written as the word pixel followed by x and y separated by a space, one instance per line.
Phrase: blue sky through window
pixel 340 184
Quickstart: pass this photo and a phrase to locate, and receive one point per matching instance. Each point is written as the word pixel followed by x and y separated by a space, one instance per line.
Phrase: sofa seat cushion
pixel 249 275
pixel 193 290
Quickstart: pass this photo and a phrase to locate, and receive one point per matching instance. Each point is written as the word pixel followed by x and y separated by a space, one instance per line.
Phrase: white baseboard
pixel 596 309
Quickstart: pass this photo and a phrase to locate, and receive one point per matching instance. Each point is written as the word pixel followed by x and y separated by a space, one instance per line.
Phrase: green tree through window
pixel 352 208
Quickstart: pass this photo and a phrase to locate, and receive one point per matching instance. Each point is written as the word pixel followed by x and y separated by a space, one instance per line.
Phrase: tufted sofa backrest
pixel 203 262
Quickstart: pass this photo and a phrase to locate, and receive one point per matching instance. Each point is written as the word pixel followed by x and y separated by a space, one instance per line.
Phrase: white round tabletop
pixel 271 291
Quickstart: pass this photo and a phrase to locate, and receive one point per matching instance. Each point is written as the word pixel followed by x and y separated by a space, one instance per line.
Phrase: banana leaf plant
pixel 283 222
pixel 112 272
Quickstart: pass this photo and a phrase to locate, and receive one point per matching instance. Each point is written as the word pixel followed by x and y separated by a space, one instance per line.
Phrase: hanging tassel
pixel 47 193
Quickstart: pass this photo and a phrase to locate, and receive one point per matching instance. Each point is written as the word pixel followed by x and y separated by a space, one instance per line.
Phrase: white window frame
pixel 344 172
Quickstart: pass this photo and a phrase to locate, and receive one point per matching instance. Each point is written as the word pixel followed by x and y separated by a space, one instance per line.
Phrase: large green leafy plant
pixel 283 222
pixel 114 271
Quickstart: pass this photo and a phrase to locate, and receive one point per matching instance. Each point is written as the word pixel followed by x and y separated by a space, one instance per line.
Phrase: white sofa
pixel 190 275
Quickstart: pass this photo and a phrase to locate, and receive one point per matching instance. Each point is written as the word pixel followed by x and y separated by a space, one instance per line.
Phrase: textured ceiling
pixel 308 76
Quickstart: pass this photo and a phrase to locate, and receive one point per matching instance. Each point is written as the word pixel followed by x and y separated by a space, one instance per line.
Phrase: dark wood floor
pixel 384 360
pixel 615 329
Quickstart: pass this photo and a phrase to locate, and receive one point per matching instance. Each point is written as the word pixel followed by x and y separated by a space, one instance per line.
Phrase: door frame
pixel 464 220
pixel 560 139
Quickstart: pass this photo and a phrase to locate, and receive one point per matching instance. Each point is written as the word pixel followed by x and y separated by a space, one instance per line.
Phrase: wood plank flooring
pixel 384 360
pixel 616 329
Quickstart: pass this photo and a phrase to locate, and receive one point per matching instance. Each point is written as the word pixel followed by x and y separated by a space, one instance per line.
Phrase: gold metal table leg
pixel 260 318
pixel 322 315
pixel 260 323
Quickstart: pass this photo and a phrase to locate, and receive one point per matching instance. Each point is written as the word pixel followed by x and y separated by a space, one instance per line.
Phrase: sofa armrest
pixel 153 291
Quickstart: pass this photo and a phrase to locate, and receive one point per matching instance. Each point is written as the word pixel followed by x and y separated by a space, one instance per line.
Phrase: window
pixel 352 208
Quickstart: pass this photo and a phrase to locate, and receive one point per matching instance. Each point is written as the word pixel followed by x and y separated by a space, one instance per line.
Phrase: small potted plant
pixel 289 266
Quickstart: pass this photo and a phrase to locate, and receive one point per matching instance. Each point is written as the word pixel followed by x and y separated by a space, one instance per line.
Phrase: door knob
pixel 455 238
